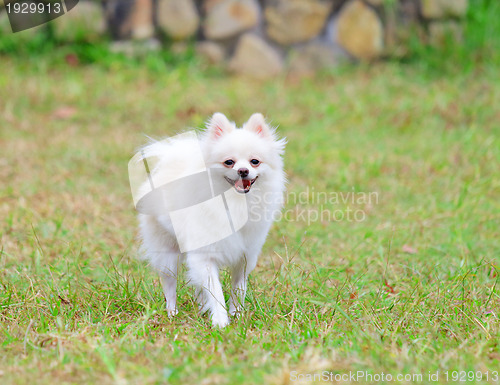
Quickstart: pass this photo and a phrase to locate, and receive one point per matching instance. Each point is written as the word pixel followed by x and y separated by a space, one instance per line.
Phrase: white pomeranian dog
pixel 219 194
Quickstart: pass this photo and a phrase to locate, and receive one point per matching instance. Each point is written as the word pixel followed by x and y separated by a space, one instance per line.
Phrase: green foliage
pixel 42 42
pixel 479 47
pixel 26 43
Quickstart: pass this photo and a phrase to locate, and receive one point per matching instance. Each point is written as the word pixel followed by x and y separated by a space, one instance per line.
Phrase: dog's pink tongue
pixel 243 183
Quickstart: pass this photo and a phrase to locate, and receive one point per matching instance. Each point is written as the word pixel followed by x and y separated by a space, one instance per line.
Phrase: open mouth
pixel 242 185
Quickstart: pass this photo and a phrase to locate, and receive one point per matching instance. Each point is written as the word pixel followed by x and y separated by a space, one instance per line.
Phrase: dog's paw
pixel 220 320
pixel 235 312
pixel 172 312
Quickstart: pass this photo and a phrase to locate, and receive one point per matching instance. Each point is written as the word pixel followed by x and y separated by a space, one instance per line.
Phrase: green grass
pixel 411 289
pixel 77 307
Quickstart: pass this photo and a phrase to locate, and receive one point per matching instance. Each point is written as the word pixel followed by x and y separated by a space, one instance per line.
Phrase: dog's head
pixel 245 157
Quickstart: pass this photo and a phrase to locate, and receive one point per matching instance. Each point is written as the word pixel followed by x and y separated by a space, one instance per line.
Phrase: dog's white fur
pixel 239 252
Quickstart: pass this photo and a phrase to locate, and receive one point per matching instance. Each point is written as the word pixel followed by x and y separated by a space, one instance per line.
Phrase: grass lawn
pixel 401 278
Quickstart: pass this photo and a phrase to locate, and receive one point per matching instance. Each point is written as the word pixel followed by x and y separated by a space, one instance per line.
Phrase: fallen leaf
pixel 65 112
pixel 64 301
pixel 72 60
pixel 389 288
pixel 187 113
pixel 408 249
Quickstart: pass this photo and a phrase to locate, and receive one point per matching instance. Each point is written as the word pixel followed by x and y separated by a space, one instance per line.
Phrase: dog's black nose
pixel 243 172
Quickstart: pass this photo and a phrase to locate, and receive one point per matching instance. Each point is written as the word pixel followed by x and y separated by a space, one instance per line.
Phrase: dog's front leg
pixel 168 278
pixel 206 280
pixel 238 292
pixel 239 275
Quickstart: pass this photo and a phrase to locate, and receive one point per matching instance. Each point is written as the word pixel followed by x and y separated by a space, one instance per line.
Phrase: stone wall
pixel 263 38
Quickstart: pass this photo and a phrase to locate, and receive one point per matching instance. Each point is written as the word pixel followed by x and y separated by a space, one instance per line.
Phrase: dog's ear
pixel 258 124
pixel 219 125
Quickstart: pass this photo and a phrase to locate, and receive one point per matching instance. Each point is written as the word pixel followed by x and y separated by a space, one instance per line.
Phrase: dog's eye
pixel 229 162
pixel 255 162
